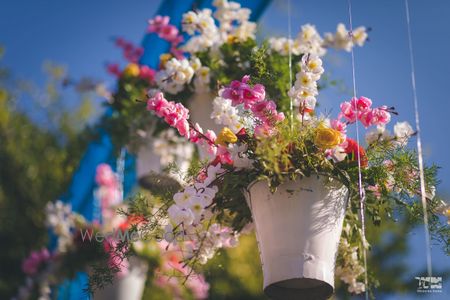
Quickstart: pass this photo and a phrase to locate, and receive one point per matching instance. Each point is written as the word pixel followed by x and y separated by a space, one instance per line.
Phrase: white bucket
pixel 128 287
pixel 298 230
pixel 201 106
pixel 200 109
pixel 147 161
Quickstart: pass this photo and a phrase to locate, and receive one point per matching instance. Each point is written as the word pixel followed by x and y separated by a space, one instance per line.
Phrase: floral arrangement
pixel 221 47
pixel 271 131
pixel 84 246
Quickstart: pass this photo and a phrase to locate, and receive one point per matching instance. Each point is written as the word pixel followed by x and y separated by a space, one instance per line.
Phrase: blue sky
pixel 78 34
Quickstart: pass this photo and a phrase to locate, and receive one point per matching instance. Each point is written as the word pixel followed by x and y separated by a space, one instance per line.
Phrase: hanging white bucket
pixel 200 109
pixel 298 229
pixel 128 287
pixel 147 161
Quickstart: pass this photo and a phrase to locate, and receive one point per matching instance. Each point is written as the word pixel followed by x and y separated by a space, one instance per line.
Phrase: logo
pixel 429 284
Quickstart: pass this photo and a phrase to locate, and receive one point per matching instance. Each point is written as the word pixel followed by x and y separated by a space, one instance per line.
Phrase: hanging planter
pixel 126 287
pixel 298 229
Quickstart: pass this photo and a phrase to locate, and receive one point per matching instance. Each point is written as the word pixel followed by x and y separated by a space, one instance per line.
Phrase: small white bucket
pixel 128 287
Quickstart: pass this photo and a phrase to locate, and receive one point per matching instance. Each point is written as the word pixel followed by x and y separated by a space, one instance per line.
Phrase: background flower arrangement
pixel 84 246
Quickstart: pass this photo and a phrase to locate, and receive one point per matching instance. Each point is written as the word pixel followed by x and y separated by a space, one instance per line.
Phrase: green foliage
pixel 36 166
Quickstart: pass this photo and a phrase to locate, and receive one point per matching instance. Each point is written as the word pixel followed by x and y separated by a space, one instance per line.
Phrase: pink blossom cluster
pixel 253 99
pixel 160 25
pixel 108 190
pixel 176 115
pixel 114 69
pixel 172 259
pixel 361 109
pixel 31 264
pixel 131 52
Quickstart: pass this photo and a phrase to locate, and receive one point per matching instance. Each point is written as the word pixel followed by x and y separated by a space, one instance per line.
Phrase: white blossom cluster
pixel 305 90
pixel 202 76
pixel 351 269
pixel 224 113
pixel 189 214
pixel 343 40
pixel 175 74
pixel 234 25
pixel 200 25
pixel 309 41
pixel 60 219
pixel 402 132
pixel 234 21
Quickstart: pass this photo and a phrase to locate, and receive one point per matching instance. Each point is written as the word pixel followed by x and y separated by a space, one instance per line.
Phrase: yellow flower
pixel 131 70
pixel 164 58
pixel 327 138
pixel 226 136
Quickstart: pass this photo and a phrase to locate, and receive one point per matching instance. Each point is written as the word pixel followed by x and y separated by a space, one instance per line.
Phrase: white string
pixel 419 142
pixel 362 193
pixel 120 166
pixel 291 101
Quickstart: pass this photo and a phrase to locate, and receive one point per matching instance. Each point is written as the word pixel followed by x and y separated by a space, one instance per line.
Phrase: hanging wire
pixel 362 193
pixel 291 101
pixel 419 142
pixel 120 167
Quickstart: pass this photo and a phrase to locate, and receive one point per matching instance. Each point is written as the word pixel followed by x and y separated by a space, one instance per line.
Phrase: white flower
pixel 202 79
pixel 357 287
pixel 403 131
pixel 180 215
pixel 195 63
pixel 212 173
pixel 240 160
pixel 182 199
pixel 224 113
pixel 342 40
pixel 380 133
pixel 189 22
pixel 310 41
pixel 338 154
pixel 197 206
pixel 313 64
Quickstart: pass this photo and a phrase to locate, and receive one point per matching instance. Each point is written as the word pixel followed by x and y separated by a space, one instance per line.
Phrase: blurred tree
pixel 40 146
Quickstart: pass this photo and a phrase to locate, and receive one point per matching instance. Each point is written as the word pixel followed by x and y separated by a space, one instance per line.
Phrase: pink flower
pixel 381 116
pixel 31 264
pixel 198 285
pixel 157 23
pixel 348 112
pixel 263 131
pixel 131 52
pixel 375 189
pixel 223 157
pixel 160 25
pixel 366 118
pixel 158 104
pixel 147 73
pixel 239 92
pixel 339 126
pixel 168 33
pixel 105 176
pixel 114 69
pixel 183 127
pixel 362 104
